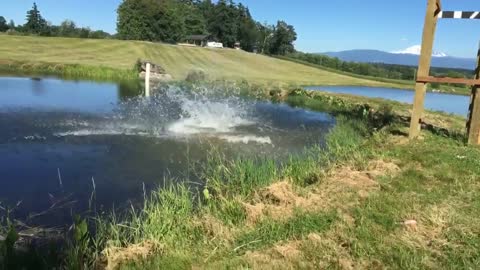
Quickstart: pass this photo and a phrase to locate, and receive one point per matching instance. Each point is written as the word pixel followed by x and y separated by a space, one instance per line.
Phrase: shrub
pixel 196 76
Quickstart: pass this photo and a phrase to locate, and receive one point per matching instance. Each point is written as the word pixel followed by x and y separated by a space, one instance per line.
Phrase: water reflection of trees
pixel 129 89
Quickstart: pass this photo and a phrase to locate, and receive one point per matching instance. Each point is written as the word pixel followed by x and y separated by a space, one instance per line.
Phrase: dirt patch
pixel 280 199
pixel 114 257
pixel 289 250
pixel 284 256
pixel 350 177
pixel 364 179
pixel 363 182
pixel 214 228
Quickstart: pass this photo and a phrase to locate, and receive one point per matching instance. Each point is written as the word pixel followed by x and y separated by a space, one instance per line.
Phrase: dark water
pixel 448 103
pixel 60 140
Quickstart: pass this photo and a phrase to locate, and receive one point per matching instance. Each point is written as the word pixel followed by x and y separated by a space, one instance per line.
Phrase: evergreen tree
pixel 223 24
pixel 248 33
pixel 35 24
pixel 3 24
pixel 195 23
pixel 168 22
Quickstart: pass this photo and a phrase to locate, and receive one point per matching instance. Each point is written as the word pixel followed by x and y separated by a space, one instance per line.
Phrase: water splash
pixel 204 113
pixel 179 112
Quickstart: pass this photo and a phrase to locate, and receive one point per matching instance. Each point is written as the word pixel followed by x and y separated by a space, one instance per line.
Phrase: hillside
pixel 177 60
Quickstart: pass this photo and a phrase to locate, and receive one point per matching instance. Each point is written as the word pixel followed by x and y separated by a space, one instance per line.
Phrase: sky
pixel 321 25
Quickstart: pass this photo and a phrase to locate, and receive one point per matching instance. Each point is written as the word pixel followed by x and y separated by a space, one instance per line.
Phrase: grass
pixel 177 60
pixel 68 71
pixel 328 209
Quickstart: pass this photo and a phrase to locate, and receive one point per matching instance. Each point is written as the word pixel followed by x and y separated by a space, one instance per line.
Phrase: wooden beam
pixel 430 79
pixel 439 7
pixel 473 124
pixel 430 25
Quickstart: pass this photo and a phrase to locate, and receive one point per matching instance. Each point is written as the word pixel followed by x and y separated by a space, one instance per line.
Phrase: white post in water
pixel 147 80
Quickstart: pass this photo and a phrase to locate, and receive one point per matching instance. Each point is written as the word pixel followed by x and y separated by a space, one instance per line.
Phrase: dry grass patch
pixel 279 200
pixel 214 228
pixel 114 257
pixel 281 256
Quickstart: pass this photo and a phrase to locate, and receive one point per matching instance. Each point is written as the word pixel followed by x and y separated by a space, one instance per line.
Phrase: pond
pixel 61 140
pixel 454 104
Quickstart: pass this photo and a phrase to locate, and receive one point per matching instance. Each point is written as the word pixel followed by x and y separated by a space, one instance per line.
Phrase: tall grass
pixel 70 71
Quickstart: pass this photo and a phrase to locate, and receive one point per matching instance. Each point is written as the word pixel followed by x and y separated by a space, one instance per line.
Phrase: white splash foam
pixel 34 137
pixel 206 116
pixel 246 139
pixel 92 132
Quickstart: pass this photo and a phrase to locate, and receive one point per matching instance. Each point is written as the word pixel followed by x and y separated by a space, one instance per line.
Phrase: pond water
pixel 448 103
pixel 60 140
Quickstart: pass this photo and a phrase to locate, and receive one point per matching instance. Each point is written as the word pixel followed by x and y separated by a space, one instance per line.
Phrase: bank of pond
pixel 90 148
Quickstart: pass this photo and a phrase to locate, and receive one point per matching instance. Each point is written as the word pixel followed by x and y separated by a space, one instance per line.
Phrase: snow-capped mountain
pixel 416 49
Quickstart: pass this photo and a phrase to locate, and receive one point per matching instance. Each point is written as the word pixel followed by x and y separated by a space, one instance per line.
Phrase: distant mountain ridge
pixel 402 58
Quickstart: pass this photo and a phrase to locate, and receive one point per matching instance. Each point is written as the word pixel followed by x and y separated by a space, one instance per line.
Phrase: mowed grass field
pixel 177 60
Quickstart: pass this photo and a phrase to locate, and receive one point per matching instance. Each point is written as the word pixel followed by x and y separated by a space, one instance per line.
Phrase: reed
pixel 68 71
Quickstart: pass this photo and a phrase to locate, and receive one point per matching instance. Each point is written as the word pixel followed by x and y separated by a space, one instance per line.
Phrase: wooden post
pixel 431 17
pixel 147 80
pixel 473 124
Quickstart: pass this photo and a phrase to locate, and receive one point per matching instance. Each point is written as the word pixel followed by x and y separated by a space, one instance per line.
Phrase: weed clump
pixel 196 76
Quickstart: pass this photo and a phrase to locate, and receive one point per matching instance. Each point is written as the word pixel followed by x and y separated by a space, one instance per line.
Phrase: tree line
pixel 225 21
pixel 37 25
pixel 382 70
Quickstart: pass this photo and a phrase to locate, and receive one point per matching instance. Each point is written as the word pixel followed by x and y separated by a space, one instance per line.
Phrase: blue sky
pixel 322 25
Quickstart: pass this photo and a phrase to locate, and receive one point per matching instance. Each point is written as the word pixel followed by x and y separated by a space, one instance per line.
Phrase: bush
pixel 138 66
pixel 196 76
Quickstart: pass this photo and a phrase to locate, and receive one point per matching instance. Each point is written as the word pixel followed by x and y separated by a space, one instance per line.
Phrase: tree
pixel 195 23
pixel 68 28
pixel 152 20
pixel 167 23
pixel 222 24
pixel 11 25
pixel 248 33
pixel 283 37
pixel 265 34
pixel 133 22
pixel 35 24
pixel 3 24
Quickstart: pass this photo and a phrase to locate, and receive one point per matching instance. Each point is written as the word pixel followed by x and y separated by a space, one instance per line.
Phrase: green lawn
pixel 177 60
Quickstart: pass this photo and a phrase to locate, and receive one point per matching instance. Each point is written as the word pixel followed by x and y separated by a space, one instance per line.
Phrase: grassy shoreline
pixel 68 71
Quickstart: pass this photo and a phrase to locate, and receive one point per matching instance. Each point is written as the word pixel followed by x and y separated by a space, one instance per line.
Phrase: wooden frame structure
pixel 434 12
